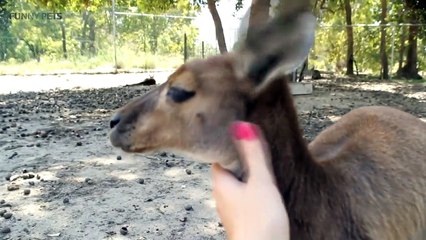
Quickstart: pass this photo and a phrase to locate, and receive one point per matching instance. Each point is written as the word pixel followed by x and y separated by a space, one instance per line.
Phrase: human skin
pixel 252 209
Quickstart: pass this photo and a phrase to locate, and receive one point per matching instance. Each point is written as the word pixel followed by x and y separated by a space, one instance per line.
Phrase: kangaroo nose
pixel 114 121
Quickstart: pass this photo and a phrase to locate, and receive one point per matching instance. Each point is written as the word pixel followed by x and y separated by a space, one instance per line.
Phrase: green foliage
pixel 85 29
pixel 330 43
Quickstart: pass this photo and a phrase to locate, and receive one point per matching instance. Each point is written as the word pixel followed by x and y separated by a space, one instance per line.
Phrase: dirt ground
pixel 61 179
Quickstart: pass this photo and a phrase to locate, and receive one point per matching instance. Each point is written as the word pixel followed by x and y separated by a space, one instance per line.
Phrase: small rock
pixel 2 212
pixel 24 171
pixel 38 145
pixel 66 200
pixel 183 219
pixel 141 181
pixel 219 224
pixel 31 175
pixel 119 210
pixel 169 164
pixel 25 176
pixel 8 176
pixel 188 208
pixel 2 201
pixel 5 230
pixel 27 192
pixel 124 231
pixel 119 157
pixel 163 154
pixel 89 181
pixel 31 183
pixel 7 215
pixel 12 187
pixel 188 171
pixel 79 144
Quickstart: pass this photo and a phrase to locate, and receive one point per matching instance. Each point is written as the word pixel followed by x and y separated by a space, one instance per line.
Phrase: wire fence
pixel 116 39
pixel 330 50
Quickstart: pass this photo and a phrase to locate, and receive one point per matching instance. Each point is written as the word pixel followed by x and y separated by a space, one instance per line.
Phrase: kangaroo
pixel 362 178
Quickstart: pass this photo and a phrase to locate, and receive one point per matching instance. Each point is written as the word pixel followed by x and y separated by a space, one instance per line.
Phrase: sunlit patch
pixel 420 96
pixel 385 87
pixel 103 161
pixel 173 172
pixel 210 203
pixel 79 179
pixel 125 175
pixel 50 176
pixel 334 118
pixel 32 209
pixel 423 119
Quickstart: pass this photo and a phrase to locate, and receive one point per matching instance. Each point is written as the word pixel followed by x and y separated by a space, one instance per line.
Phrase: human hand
pixel 251 210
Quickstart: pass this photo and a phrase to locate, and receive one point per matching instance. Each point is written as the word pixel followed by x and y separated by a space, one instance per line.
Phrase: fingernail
pixel 244 131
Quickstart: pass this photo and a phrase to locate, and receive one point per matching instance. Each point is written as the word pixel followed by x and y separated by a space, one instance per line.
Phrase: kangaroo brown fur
pixel 362 178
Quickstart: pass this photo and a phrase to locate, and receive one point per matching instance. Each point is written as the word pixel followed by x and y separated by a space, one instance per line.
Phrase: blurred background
pixel 380 38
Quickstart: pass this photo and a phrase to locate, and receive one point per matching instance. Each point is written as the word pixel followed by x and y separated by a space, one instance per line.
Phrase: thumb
pixel 224 183
pixel 253 150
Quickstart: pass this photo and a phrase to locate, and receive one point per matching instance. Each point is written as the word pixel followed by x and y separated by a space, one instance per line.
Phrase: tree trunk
pixel 410 70
pixel 383 54
pixel 64 39
pixel 218 26
pixel 35 50
pixel 259 13
pixel 92 35
pixel 84 33
pixel 402 48
pixel 350 42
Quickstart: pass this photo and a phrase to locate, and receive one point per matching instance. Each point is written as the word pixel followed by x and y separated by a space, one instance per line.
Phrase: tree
pixel 6 41
pixel 416 14
pixel 220 36
pixel 383 54
pixel 350 39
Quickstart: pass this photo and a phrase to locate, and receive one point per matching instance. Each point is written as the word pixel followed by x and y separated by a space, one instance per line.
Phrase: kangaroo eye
pixel 179 95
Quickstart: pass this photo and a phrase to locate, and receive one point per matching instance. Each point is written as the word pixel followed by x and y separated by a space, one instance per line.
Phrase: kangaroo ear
pixel 279 47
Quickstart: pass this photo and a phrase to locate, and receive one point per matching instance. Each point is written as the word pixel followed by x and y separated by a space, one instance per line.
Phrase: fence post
pixel 202 49
pixel 392 52
pixel 185 48
pixel 114 35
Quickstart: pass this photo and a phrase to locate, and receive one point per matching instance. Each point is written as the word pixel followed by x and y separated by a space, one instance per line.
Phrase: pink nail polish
pixel 244 131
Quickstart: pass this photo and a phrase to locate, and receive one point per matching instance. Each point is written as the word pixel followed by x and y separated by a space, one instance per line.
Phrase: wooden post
pixel 202 49
pixel 185 48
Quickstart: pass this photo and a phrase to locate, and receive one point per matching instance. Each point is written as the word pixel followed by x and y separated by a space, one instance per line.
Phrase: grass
pixel 126 60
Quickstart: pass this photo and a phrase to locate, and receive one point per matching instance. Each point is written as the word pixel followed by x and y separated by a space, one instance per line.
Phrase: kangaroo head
pixel 192 111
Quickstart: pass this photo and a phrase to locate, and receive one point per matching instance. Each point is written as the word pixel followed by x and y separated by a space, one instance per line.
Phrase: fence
pixel 33 41
pixel 330 49
pixel 36 41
